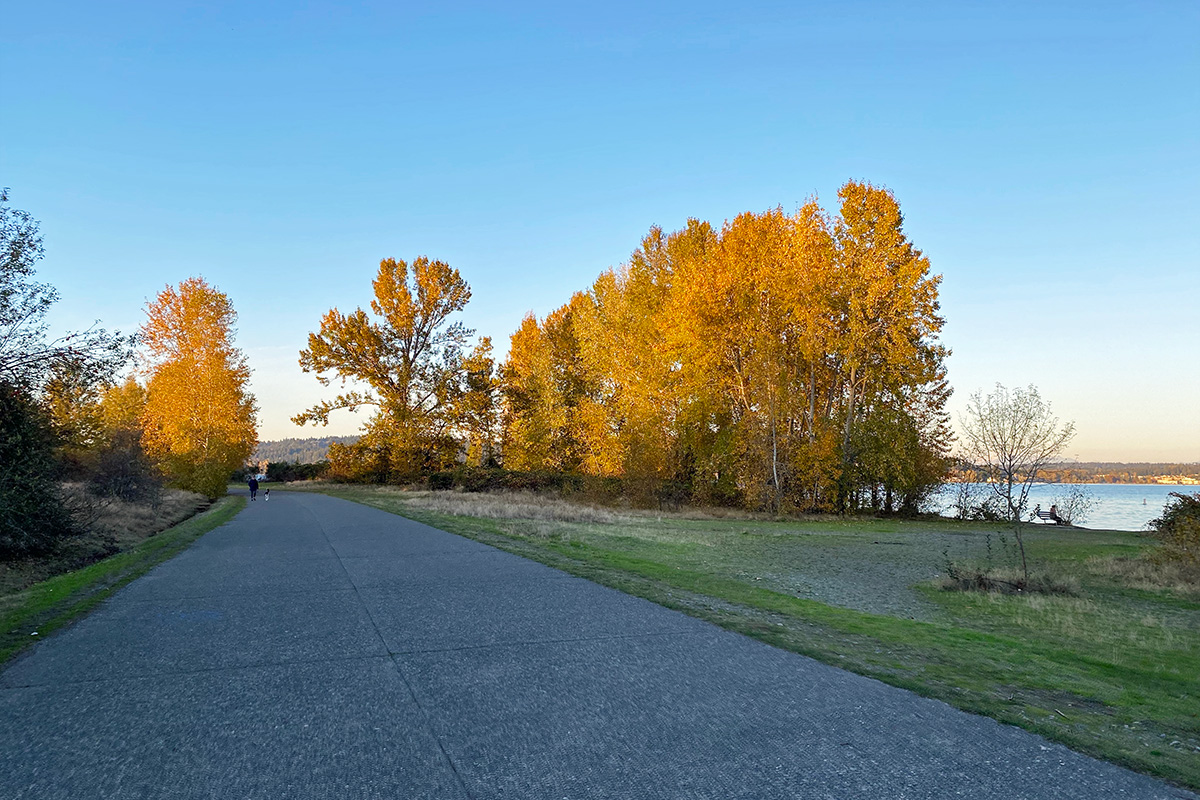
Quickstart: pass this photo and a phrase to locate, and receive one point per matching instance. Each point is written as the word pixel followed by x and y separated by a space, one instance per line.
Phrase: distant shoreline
pixel 1141 473
pixel 1099 481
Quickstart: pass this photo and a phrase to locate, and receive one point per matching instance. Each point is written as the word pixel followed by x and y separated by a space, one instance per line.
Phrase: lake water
pixel 1115 506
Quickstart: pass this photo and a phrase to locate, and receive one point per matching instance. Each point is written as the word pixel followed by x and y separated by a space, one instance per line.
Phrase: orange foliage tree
pixel 199 419
pixel 430 398
pixel 783 361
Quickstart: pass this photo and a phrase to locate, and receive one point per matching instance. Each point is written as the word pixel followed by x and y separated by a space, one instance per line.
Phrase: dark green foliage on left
pixel 32 516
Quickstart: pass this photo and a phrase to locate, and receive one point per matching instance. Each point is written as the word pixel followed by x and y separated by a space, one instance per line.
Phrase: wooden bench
pixel 1049 516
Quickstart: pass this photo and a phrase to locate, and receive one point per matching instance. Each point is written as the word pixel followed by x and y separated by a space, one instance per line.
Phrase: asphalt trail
pixel 315 648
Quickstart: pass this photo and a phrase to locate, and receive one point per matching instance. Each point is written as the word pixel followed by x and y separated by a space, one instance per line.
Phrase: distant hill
pixel 1116 472
pixel 304 451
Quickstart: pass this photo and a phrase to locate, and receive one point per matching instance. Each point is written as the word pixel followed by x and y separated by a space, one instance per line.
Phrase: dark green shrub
pixel 1179 528
pixel 672 495
pixel 440 481
pixel 491 479
pixel 32 516
pixel 242 474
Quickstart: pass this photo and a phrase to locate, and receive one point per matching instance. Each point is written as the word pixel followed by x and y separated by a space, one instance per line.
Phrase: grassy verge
pixel 34 612
pixel 108 526
pixel 1111 672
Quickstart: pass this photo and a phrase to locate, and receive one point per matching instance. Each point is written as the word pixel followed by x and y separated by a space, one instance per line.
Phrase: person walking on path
pixel 253 484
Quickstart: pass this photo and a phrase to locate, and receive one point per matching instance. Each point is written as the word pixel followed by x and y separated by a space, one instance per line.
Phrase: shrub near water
pixel 1179 528
pixel 973 579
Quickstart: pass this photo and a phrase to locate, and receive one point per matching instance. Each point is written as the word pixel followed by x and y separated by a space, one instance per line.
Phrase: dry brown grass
pixel 109 526
pixel 129 523
pixel 1007 581
pixel 506 505
pixel 1149 574
pixel 546 515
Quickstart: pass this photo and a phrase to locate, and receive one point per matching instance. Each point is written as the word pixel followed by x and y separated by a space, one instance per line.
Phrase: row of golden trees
pixel 185 416
pixel 781 361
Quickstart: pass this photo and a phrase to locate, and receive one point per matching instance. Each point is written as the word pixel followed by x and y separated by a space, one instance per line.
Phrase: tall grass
pixel 505 505
pixel 1150 574
pixel 109 526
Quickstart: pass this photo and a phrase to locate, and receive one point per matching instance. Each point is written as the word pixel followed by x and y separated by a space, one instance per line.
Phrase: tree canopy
pixel 199 418
pixel 781 360
pixel 410 356
pixel 27 356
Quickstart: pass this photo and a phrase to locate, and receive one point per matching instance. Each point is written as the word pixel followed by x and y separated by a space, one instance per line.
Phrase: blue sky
pixel 1046 156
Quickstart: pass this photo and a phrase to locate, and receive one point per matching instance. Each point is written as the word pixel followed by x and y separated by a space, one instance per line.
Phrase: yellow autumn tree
pixel 783 361
pixel 199 419
pixel 547 394
pixel 122 405
pixel 477 405
pixel 890 364
pixel 630 347
pixel 409 355
pixel 122 468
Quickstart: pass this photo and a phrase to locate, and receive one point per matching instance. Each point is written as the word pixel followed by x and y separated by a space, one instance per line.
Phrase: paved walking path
pixel 314 648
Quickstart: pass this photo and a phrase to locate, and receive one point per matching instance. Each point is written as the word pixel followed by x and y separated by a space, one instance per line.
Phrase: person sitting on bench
pixel 1051 515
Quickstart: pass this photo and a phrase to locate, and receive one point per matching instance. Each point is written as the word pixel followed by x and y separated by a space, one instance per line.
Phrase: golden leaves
pixel 199 419
pixel 743 348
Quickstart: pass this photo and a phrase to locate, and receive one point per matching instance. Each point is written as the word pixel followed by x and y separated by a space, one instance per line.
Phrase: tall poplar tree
pixel 199 419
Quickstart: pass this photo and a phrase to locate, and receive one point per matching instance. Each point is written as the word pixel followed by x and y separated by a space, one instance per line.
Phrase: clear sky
pixel 1046 156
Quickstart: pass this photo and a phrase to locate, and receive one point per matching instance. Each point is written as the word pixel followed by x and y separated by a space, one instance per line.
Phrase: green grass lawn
pixel 1113 671
pixel 32 613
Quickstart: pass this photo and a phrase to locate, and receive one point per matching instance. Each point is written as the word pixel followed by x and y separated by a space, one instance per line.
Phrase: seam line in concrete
pixel 425 718
pixel 280 593
pixel 200 671
pixel 604 638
